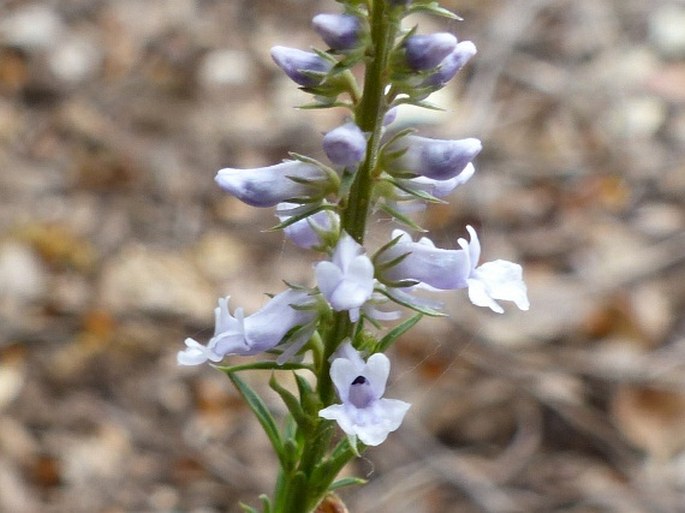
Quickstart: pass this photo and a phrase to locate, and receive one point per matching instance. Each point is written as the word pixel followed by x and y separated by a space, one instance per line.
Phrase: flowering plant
pixel 331 334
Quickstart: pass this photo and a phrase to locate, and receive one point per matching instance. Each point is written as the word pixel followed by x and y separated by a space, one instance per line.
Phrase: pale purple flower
pixel 306 233
pixel 424 52
pixel 267 186
pixel 440 188
pixel 305 68
pixel 451 64
pixel 448 269
pixel 339 31
pixel 439 159
pixel 256 333
pixel 347 280
pixel 364 413
pixel 345 145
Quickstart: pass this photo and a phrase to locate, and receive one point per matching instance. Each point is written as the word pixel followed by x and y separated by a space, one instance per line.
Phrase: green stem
pixel 369 116
pixel 369 113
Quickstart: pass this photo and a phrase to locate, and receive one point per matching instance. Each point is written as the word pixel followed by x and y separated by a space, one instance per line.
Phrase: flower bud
pixel 267 186
pixel 438 159
pixel 307 233
pixel 451 64
pixel 304 68
pixel 339 31
pixel 346 145
pixel 424 52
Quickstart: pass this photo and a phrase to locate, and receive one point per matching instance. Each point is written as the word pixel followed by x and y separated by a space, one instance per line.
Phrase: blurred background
pixel 115 244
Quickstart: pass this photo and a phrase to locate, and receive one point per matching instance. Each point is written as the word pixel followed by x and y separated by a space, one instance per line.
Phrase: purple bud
pixel 451 64
pixel 390 116
pixel 439 159
pixel 267 186
pixel 427 51
pixel 302 67
pixel 346 145
pixel 339 31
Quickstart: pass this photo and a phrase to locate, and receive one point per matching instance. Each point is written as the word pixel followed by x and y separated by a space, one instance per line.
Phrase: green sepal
pixel 261 412
pixel 365 341
pixel 417 193
pixel 432 7
pixel 423 309
pixel 397 332
pixel 264 365
pixel 396 136
pixel 247 509
pixel 326 105
pixel 267 507
pixel 305 214
pixel 387 264
pixel 309 399
pixel 347 481
pixel 417 99
pixel 293 404
pixel 291 453
pixel 398 216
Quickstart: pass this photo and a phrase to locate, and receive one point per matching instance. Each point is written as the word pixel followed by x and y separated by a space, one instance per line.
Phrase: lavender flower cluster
pixel 310 198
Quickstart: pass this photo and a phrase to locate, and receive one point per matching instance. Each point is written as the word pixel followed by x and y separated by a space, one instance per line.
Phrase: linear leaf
pixel 261 412
pixel 347 481
pixel 264 365
pixel 397 332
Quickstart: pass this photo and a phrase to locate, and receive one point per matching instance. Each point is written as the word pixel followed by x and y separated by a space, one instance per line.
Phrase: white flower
pixel 256 333
pixel 449 269
pixel 347 281
pixel 364 412
pixel 499 279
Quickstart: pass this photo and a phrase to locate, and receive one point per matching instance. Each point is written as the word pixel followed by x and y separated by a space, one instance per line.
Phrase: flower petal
pixel 377 372
pixel 502 279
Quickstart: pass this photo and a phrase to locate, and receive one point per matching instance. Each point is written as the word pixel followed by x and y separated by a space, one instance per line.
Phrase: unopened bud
pixel 427 51
pixel 339 31
pixel 304 68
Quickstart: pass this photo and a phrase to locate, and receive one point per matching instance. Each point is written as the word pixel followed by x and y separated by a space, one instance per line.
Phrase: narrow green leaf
pixel 396 332
pixel 261 412
pixel 308 398
pixel 266 503
pixel 404 299
pixel 292 403
pixel 346 481
pixel 432 7
pixel 264 365
pixel 417 193
pixel 295 218
pixel 401 217
pixel 247 509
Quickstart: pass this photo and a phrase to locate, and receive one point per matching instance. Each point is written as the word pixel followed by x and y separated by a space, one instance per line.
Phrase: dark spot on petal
pixel 359 380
